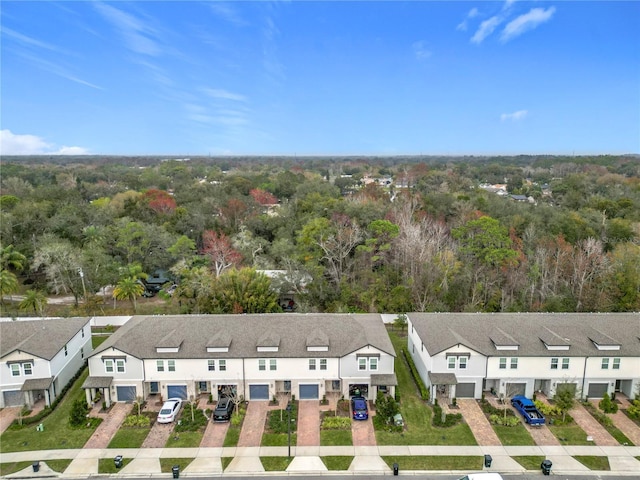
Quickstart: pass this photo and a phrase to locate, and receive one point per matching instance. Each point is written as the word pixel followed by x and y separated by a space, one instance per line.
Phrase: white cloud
pixel 421 51
pixel 134 32
pixel 227 13
pixel 485 29
pixel 15 144
pixel 224 94
pixel 515 116
pixel 525 22
pixel 472 14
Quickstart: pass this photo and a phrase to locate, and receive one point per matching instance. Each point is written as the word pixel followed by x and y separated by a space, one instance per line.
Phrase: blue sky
pixel 328 78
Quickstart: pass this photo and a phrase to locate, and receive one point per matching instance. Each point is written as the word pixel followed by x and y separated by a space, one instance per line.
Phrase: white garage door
pixel 177 391
pixel 258 392
pixel 309 392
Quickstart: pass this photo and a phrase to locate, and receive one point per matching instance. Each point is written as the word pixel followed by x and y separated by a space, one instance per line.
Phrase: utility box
pixel 118 461
pixel 487 461
pixel 398 421
pixel 396 469
pixel 176 471
pixel 546 467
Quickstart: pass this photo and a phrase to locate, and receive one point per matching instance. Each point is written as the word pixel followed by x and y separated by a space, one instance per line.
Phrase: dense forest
pixel 354 234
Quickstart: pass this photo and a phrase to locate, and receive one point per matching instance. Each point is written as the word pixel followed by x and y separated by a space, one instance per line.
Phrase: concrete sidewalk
pixel 366 460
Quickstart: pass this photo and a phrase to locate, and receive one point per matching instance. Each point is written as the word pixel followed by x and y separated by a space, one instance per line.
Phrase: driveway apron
pixel 214 434
pixel 308 423
pixel 253 425
pixel 478 423
pixel 591 426
pixel 109 426
pixel 362 433
pixel 158 435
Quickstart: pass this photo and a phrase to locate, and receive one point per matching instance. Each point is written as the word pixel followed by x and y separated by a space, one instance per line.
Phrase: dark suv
pixel 223 410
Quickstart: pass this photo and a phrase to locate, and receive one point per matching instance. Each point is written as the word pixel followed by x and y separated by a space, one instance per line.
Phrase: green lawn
pixel 233 434
pixel 184 439
pixel 278 439
pixel 166 464
pixel 518 435
pixel 570 434
pixel 530 462
pixel 437 462
pixel 127 437
pixel 96 340
pixel 331 438
pixel 57 432
pixel 107 465
pixel 57 465
pixel 416 414
pixel 593 462
pixel 226 461
pixel 608 426
pixel 275 464
pixel 337 462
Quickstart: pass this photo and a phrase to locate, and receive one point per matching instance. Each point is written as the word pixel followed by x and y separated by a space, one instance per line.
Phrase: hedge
pixel 424 392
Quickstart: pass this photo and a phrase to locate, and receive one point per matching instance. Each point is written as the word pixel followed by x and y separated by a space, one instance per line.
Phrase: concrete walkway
pixel 308 423
pixel 253 424
pixel 367 460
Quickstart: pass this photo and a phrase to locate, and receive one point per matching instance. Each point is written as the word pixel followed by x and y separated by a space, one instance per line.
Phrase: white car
pixel 482 476
pixel 169 410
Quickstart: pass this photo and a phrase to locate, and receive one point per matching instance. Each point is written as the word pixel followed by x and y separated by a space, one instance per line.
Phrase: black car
pixel 223 410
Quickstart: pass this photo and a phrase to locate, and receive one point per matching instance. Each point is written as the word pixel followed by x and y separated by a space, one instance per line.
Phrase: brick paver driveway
pixel 363 433
pixel 624 423
pixel 110 425
pixel 253 425
pixel 214 434
pixel 7 416
pixel 308 423
pixel 478 423
pixel 591 426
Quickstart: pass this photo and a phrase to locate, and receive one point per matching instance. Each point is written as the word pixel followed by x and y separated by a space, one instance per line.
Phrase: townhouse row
pixel 313 355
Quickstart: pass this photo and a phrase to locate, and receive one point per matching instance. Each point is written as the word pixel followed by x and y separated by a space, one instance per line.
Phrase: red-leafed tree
pixel 263 197
pixel 159 201
pixel 219 250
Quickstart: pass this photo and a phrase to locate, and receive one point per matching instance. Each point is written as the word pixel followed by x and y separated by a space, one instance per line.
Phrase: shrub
pixel 508 421
pixel 634 410
pixel 386 407
pixel 606 405
pixel 78 413
pixel 336 423
pixel 547 410
pixel 449 420
pixel 136 421
pixel 424 392
pixel 187 425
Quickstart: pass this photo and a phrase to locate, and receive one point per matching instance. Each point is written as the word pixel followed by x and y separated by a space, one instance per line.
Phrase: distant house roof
pixel 40 338
pixel 531 332
pixel 345 333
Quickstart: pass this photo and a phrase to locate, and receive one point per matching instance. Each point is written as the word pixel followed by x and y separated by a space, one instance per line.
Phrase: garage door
pixel 309 392
pixel 465 390
pixel 177 391
pixel 13 398
pixel 258 392
pixel 597 390
pixel 572 387
pixel 126 393
pixel 514 389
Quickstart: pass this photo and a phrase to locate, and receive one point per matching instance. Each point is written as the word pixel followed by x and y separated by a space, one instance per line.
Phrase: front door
pixel 154 388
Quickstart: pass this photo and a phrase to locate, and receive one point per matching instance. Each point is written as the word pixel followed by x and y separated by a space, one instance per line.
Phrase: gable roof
pixel 345 333
pixel 530 332
pixel 40 338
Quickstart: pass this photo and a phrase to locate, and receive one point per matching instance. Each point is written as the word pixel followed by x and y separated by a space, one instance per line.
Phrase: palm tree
pixel 34 299
pixel 8 283
pixel 9 258
pixel 128 288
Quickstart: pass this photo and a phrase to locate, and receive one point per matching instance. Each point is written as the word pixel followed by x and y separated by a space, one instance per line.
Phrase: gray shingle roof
pixel 41 338
pixel 440 331
pixel 345 334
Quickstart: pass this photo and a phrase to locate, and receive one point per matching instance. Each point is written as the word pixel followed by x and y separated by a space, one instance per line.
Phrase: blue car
pixel 359 408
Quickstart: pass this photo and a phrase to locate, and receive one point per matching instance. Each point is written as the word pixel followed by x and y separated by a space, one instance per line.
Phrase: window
pixel 503 363
pixel 462 362
pixel 108 366
pixel 81 352
pixel 312 364
pixel 616 364
pixel 82 332
pixel 605 363
pixel 323 364
pixel 514 363
pixel 160 365
pixel 66 351
pixel 451 362
pixel 15 370
pixel 565 364
pixel 373 363
pixel 273 364
pixel 554 363
pixel 171 365
pixel 362 363
pixel 27 368
pixel 120 366
pixel 262 364
pixel 222 365
pixel 211 365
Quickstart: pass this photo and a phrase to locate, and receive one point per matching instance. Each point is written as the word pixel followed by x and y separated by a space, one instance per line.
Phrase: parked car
pixel 482 476
pixel 359 408
pixel 169 410
pixel 223 410
pixel 528 410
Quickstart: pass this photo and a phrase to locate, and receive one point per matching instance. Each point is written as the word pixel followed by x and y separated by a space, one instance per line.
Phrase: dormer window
pixel 171 343
pixel 317 341
pixel 270 342
pixel 503 341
